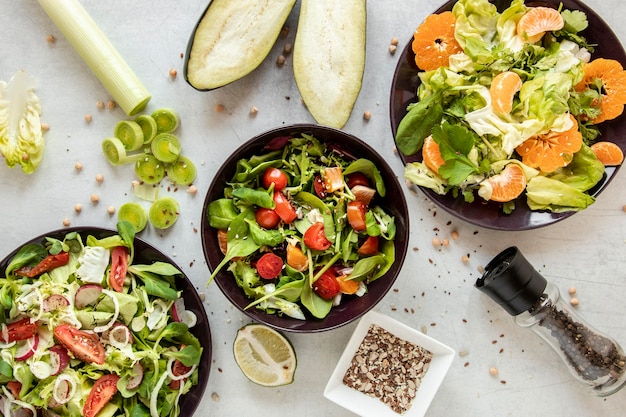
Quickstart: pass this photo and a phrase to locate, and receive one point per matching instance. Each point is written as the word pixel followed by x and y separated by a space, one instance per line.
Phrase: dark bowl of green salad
pixel 305 228
pixel 84 326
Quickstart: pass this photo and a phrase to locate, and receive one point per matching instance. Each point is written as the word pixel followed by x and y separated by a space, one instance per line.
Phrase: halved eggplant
pixel 329 57
pixel 231 39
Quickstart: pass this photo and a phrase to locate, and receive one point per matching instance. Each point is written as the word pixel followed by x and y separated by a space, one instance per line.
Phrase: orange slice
pixel 613 78
pixel 553 150
pixel 507 185
pixel 434 41
pixel 537 21
pixel 431 154
pixel 503 88
pixel 608 153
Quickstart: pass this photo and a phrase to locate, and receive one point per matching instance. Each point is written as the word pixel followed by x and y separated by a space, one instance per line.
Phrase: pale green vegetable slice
pixel 149 127
pixel 115 152
pixel 149 169
pixel 99 54
pixel 163 212
pixel 329 57
pixel 129 133
pixel 182 171
pixel 167 120
pixel 166 147
pixel 134 214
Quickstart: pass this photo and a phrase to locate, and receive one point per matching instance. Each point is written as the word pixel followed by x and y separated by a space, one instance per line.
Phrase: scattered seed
pixel 454 235
pixel 287 48
pixel 392 49
pixel 445 242
pixel 100 105
pixel 280 61
pixel 99 178
pixel 192 189
pixel 219 108
pixel 394 41
pixel 45 127
pixel 572 291
pixel 253 111
pixel 465 259
pixel 436 242
pixel 574 301
pixel 111 210
pixel 66 222
pixel 493 371
pixel 51 39
pixel 367 115
pixel 215 396
pixel 78 166
pixel 88 118
pixel 111 105
pixel 173 73
pixel 78 207
pixel 94 198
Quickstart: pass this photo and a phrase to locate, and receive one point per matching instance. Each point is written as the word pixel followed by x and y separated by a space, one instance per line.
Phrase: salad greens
pixel 331 237
pixel 476 142
pixel 61 336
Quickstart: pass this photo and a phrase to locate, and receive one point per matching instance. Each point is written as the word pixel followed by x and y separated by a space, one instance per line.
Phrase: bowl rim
pixel 332 321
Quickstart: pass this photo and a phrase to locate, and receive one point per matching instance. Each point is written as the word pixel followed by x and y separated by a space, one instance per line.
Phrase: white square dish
pixel 365 405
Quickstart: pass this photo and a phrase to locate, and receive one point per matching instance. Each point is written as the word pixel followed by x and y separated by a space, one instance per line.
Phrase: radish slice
pixel 178 309
pixel 55 302
pixel 59 359
pixel 136 377
pixel 26 348
pixel 120 336
pixel 87 295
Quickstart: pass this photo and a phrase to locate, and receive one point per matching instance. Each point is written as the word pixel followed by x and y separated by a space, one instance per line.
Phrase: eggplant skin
pixel 231 39
pixel 329 57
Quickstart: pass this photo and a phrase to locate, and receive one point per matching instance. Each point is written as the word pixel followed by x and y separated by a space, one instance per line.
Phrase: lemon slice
pixel 264 355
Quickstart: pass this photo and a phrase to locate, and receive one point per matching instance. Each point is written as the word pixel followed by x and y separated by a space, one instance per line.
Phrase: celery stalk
pixel 98 53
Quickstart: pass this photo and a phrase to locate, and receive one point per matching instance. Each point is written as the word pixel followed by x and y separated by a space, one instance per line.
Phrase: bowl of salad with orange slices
pixel 305 228
pixel 96 322
pixel 508 114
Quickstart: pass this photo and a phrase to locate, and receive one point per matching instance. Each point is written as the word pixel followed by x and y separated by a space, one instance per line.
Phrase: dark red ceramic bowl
pixel 147 254
pixel 489 214
pixel 350 308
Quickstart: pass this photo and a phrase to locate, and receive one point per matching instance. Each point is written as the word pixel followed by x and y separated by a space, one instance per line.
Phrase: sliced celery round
pixel 149 169
pixel 182 171
pixel 163 212
pixel 134 214
pixel 130 133
pixel 115 152
pixel 148 126
pixel 166 147
pixel 167 120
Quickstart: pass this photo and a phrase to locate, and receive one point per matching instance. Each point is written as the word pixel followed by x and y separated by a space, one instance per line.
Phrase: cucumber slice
pixel 134 214
pixel 148 126
pixel 149 169
pixel 182 171
pixel 130 133
pixel 163 213
pixel 115 152
pixel 167 120
pixel 165 147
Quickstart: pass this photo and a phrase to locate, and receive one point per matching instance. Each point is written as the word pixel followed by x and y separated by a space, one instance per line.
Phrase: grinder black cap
pixel 511 281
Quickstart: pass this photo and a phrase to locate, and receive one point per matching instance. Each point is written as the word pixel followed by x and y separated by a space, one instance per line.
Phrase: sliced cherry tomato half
pixel 356 215
pixel 19 330
pixel 266 218
pixel 269 266
pixel 276 176
pixel 319 187
pixel 85 346
pixel 284 209
pixel 357 178
pixel 47 264
pixel 315 238
pixel 119 267
pixel 369 246
pixel 101 393
pixel 326 286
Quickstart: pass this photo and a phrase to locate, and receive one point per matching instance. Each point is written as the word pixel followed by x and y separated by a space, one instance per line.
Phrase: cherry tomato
pixel 19 330
pixel 318 185
pixel 315 238
pixel 85 346
pixel 47 264
pixel 276 176
pixel 266 218
pixel 269 266
pixel 101 393
pixel 119 267
pixel 357 178
pixel 284 209
pixel 356 215
pixel 369 247
pixel 326 286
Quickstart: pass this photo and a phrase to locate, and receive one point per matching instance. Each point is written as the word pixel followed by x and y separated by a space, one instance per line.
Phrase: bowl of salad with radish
pixel 97 322
pixel 305 228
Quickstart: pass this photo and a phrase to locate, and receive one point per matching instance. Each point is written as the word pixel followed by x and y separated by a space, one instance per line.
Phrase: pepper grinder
pixel 592 357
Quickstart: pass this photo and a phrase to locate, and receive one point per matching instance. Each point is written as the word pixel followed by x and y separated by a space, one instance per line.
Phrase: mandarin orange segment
pixel 431 154
pixel 608 153
pixel 553 150
pixel 537 21
pixel 507 185
pixel 503 88
pixel 434 41
pixel 613 78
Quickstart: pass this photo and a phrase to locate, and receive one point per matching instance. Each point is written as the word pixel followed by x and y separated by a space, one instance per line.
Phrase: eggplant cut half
pixel 231 39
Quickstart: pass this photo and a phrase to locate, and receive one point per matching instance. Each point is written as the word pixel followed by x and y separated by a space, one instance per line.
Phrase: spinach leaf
pixel 264 237
pixel 259 198
pixel 455 143
pixel 30 254
pixel 316 305
pixel 221 213
pixel 418 124
pixel 155 285
pixel 189 355
pixel 366 267
pixel 388 249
